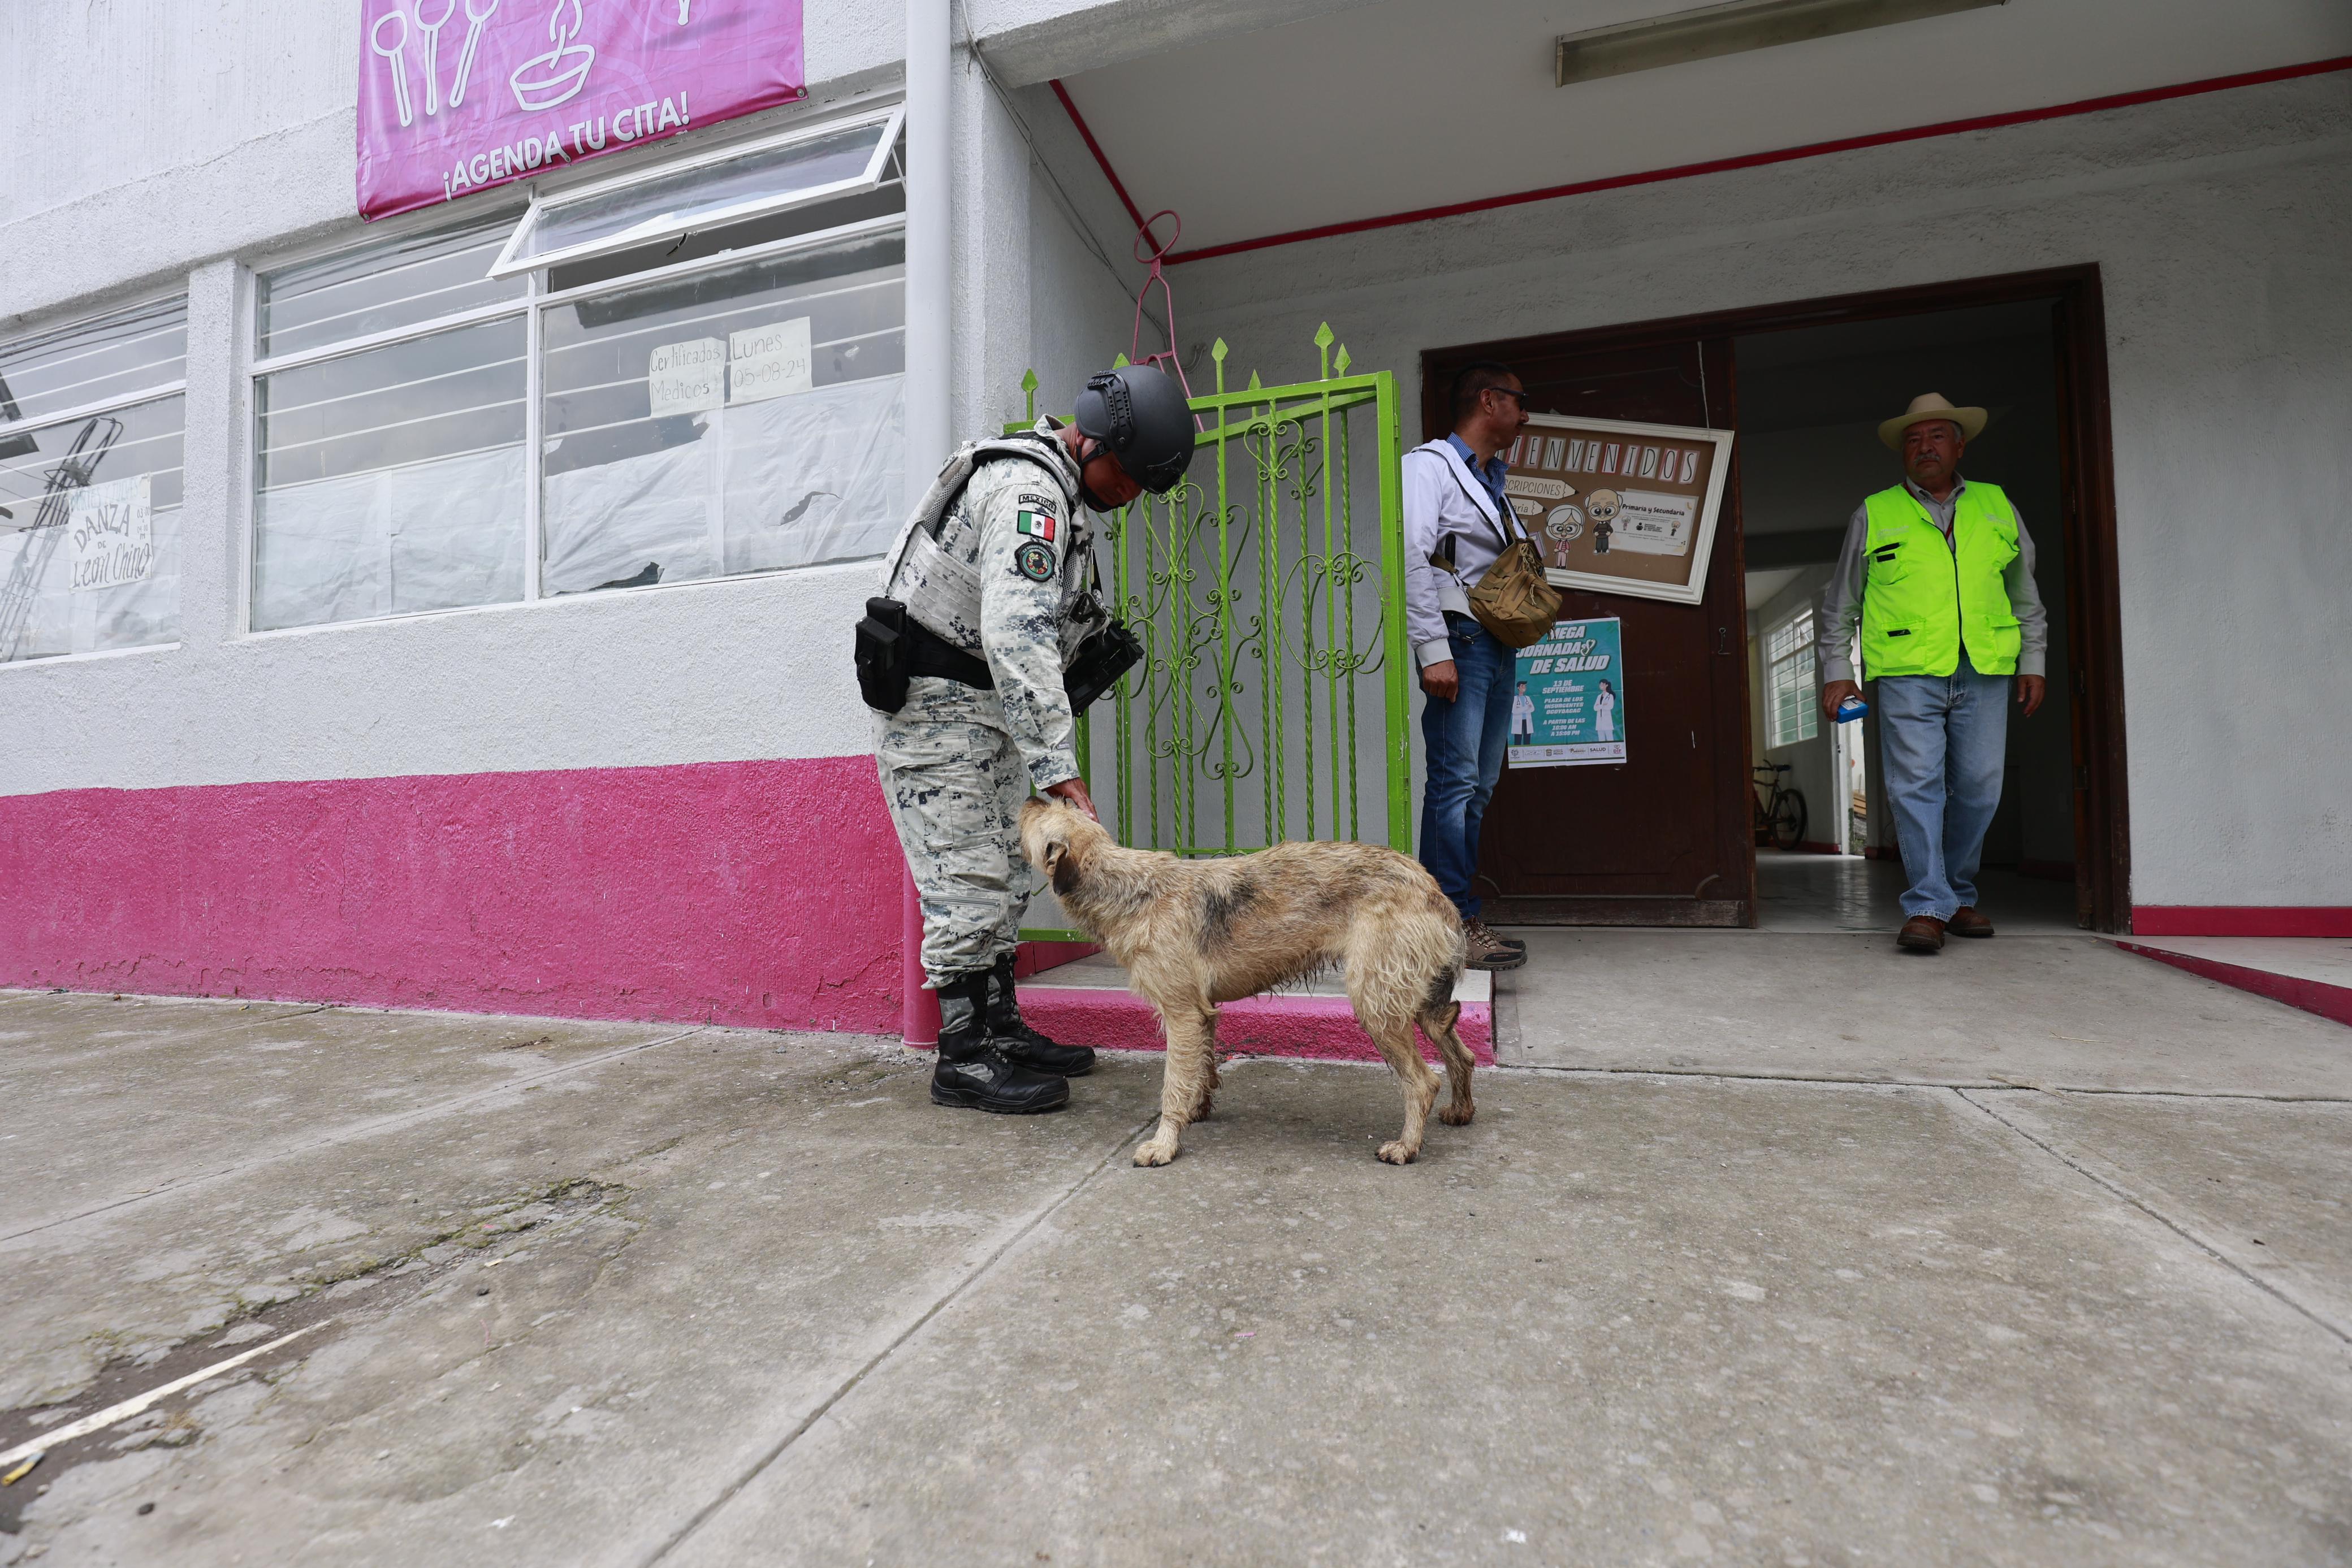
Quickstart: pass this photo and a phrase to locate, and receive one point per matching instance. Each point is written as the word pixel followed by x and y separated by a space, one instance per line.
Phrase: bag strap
pixel 1502 508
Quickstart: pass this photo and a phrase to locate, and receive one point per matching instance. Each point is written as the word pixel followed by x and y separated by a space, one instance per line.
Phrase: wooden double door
pixel 1663 838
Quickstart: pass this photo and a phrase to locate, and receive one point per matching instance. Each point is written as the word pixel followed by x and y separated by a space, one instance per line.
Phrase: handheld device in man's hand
pixel 1851 709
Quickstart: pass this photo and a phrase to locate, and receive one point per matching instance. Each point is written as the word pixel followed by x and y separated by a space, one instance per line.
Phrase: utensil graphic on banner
pixel 398 57
pixel 544 81
pixel 474 22
pixel 432 31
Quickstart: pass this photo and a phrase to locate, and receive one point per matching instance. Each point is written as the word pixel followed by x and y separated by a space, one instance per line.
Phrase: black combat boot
pixel 974 1070
pixel 1023 1046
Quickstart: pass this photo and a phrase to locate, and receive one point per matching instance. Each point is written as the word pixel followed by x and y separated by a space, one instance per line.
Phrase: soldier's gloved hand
pixel 1073 792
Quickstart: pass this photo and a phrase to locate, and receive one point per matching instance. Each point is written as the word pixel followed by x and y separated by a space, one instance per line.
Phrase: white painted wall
pixel 237 144
pixel 2221 224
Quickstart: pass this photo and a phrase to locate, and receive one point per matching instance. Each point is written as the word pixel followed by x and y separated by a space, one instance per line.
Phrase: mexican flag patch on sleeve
pixel 1038 524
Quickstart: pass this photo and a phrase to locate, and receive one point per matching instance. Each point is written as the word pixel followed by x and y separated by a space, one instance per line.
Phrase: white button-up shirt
pixel 1443 499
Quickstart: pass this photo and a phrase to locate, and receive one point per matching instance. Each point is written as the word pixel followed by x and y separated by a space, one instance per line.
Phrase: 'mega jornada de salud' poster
pixel 1568 697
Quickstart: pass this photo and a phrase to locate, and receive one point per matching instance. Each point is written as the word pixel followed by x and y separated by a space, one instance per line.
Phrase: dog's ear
pixel 1060 869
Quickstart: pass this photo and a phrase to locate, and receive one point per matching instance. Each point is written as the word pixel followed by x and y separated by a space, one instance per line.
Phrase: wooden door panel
pixel 1663 838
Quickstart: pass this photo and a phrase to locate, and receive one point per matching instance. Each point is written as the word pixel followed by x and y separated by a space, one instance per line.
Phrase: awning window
pixel 727 187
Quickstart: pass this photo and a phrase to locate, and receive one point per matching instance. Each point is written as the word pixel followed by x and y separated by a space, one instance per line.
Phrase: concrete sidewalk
pixel 1707 1281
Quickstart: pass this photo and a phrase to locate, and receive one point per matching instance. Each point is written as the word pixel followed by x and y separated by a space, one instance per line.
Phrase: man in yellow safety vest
pixel 1938 570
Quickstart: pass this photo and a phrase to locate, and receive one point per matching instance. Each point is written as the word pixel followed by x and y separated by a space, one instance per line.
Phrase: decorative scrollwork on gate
pixel 1267 590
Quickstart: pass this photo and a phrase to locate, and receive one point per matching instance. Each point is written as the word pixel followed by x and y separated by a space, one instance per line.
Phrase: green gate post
pixel 1194 721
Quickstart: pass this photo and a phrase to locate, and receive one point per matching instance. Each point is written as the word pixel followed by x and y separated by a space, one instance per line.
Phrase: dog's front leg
pixel 1185 1084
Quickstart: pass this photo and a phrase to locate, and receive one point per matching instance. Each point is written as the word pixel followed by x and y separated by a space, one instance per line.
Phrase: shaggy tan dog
pixel 1194 932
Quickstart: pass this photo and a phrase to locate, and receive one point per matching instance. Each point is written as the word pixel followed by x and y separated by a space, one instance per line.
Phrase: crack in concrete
pixel 574 1202
pixel 352 1134
pixel 849 1385
pixel 2182 1229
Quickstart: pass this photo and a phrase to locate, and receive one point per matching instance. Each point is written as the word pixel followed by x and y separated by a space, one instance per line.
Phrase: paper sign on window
pixel 686 378
pixel 111 531
pixel 769 361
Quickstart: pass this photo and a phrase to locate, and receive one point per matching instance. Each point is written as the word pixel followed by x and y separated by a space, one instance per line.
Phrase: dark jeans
pixel 1463 742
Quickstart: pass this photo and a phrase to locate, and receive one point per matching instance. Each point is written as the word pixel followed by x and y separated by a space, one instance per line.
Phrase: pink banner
pixel 457 96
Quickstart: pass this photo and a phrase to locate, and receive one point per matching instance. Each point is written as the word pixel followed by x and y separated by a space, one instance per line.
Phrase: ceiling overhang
pixel 1407 110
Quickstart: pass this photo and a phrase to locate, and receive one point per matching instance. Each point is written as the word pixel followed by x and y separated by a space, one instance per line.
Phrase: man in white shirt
pixel 1456 521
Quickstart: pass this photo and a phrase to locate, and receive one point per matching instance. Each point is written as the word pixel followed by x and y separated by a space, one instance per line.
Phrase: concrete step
pixel 1086 1002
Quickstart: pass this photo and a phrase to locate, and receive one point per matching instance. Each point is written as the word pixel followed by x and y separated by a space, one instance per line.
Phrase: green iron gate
pixel 1268 591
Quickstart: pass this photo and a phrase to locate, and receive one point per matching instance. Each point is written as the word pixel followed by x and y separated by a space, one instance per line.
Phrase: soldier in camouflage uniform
pixel 991 567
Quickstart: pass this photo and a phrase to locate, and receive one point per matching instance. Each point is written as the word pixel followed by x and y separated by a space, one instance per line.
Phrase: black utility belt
pixel 893 647
pixel 928 653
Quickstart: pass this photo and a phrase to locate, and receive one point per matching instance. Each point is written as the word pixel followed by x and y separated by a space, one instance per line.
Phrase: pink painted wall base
pixel 763 894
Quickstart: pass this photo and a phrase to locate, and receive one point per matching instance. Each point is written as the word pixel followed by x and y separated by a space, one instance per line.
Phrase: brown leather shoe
pixel 1921 934
pixel 1967 922
pixel 1488 951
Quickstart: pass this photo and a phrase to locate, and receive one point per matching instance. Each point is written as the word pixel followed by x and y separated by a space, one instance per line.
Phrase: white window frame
pixel 669 225
pixel 1772 682
pixel 534 301
pixel 175 387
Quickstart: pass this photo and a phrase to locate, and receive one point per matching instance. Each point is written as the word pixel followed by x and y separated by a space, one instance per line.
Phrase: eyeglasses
pixel 1511 391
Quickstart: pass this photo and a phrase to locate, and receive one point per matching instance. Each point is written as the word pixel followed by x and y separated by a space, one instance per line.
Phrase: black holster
pixel 882 656
pixel 893 648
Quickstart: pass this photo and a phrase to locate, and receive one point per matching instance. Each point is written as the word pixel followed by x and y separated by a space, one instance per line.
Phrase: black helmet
pixel 1141 416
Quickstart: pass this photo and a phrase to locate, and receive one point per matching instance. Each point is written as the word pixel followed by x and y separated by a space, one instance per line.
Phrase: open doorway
pixel 1805 384
pixel 1810 400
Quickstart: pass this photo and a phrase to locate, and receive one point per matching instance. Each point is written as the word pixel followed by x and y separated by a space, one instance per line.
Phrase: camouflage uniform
pixel 958 760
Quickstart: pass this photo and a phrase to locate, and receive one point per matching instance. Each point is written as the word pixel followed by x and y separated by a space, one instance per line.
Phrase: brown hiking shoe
pixel 1967 922
pixel 1488 951
pixel 1921 934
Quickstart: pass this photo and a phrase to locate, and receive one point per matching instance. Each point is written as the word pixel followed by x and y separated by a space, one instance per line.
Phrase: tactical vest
pixel 1922 601
pixel 941 592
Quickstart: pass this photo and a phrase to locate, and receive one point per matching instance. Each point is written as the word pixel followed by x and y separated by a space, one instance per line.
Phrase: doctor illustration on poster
pixel 1571 684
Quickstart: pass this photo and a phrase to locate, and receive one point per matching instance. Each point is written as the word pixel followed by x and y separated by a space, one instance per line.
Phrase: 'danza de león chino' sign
pixel 458 95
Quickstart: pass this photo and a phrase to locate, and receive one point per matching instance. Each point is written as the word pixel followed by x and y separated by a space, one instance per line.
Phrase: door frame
pixel 2087 502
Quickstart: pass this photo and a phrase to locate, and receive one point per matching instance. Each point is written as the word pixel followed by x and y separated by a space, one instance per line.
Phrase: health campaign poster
pixel 1567 699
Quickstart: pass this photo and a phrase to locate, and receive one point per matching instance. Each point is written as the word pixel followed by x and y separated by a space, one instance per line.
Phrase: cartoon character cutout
pixel 1564 525
pixel 1603 507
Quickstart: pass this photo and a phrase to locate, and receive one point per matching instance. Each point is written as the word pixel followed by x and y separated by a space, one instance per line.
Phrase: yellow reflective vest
pixel 1922 600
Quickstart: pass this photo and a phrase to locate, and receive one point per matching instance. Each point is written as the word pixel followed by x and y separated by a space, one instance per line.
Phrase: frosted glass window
pixel 744 419
pixel 102 360
pixel 392 480
pixel 404 283
pixel 724 188
pixel 90 546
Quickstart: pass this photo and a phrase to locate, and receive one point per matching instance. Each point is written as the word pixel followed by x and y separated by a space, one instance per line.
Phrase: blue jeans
pixel 1464 741
pixel 1942 739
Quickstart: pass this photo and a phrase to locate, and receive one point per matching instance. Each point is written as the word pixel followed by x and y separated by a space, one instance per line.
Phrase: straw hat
pixel 1928 406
